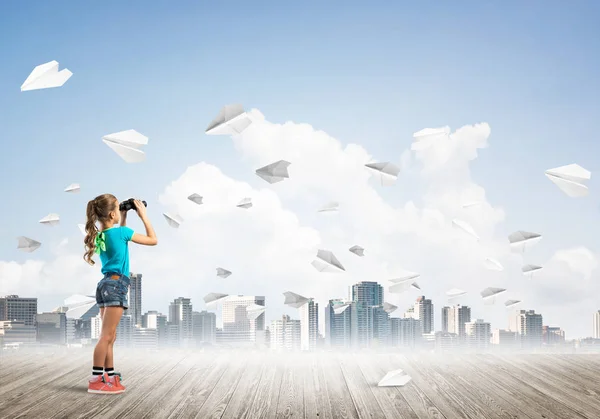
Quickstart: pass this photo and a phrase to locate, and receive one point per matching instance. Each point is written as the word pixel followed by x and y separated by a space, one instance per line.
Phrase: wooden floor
pixel 254 385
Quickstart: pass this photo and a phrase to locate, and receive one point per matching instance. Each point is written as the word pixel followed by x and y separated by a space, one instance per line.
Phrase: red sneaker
pixel 98 385
pixel 115 380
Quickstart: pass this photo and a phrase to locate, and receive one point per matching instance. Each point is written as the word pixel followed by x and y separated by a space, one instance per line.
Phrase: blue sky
pixel 368 75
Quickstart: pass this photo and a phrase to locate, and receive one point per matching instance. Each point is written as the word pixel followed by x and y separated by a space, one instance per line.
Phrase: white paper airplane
pixel 387 172
pixel 511 303
pixel 213 297
pixel 428 136
pixel 195 198
pixel 455 293
pixel 493 265
pixel 403 285
pixel 519 240
pixel 570 179
pixel 174 220
pixel 27 245
pixel 50 219
pixel 472 204
pixel 327 262
pixel 329 207
pixel 82 228
pixel 127 145
pixel 231 120
pixel 464 226
pixel 357 250
pixel 253 311
pixel 46 76
pixel 223 273
pixel 340 308
pixel 73 188
pixel 530 270
pixel 245 203
pixel 274 172
pixel 404 275
pixel 294 300
pixel 489 294
pixel 389 308
pixel 397 378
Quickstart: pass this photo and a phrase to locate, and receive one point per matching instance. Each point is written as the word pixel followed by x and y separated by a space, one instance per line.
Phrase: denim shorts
pixel 112 291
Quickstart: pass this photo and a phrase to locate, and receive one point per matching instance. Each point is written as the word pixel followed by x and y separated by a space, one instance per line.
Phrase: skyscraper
pixel 204 325
pixel 337 326
pixel 370 323
pixel 458 316
pixel 237 327
pixel 368 293
pixel 135 299
pixel 596 325
pixel 478 334
pixel 13 307
pixel 405 332
pixel 285 334
pixel 445 314
pixel 180 314
pixel 424 311
pixel 528 325
pixel 51 328
pixel 309 325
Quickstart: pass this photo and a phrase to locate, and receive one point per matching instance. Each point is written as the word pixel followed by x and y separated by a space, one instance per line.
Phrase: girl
pixel 110 242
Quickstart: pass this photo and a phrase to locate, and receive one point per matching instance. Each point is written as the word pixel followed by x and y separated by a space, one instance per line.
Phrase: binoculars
pixel 129 205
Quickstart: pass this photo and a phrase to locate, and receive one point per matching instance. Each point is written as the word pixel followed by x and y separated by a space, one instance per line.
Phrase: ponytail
pixel 91 230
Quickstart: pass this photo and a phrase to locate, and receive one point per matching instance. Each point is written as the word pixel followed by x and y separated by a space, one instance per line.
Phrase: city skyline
pixel 505 94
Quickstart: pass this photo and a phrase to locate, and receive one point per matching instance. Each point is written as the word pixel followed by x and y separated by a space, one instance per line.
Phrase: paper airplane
pixel 223 273
pixel 340 308
pixel 274 172
pixel 404 275
pixel 493 264
pixel 27 245
pixel 174 220
pixel 519 240
pixel 253 311
pixel 357 250
pixel 529 270
pixel 489 294
pixel 472 204
pixel 294 300
pixel 73 188
pixel 389 308
pixel 127 145
pixel 464 226
pixel 403 285
pixel 82 228
pixel 570 179
pixel 231 120
pixel 455 293
pixel 195 198
pixel 397 378
pixel 511 303
pixel 46 76
pixel 329 207
pixel 428 136
pixel 51 220
pixel 213 297
pixel 387 172
pixel 76 306
pixel 327 262
pixel 245 203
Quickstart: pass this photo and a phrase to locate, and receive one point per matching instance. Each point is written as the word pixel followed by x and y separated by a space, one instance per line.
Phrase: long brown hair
pixel 98 209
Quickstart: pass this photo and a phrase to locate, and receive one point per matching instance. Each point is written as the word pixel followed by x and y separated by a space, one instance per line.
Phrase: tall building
pixel 135 299
pixel 309 325
pixel 13 307
pixel 204 325
pixel 338 325
pixel 51 328
pixel 237 327
pixel 405 332
pixel 552 335
pixel 144 338
pixel 596 325
pixel 125 331
pixel 155 320
pixel 180 314
pixel 423 311
pixel 285 334
pixel 16 331
pixel 445 314
pixel 505 338
pixel 368 293
pixel 478 334
pixel 528 325
pixel 458 316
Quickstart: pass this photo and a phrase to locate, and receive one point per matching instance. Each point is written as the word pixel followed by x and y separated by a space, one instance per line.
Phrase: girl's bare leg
pixel 110 320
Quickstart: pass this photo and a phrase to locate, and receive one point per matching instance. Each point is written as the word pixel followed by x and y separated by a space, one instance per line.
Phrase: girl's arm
pixel 123 219
pixel 150 238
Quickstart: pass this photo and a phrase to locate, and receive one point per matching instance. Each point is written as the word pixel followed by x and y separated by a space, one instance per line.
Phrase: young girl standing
pixel 111 243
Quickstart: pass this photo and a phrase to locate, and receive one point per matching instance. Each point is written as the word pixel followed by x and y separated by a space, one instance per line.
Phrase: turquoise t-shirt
pixel 116 257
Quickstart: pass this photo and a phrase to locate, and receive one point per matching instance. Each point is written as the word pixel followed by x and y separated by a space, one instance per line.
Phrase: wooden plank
pixel 217 401
pixel 336 389
pixel 551 407
pixel 316 404
pixel 264 404
pixel 246 389
pixel 423 406
pixel 290 403
pixel 553 387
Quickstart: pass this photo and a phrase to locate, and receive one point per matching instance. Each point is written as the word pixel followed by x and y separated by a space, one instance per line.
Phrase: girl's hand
pixel 140 208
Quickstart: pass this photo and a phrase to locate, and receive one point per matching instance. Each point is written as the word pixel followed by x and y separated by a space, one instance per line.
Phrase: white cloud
pixel 269 247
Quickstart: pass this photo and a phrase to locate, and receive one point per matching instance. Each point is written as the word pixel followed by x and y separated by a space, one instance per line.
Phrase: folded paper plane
pixel 174 220
pixel 387 172
pixel 520 240
pixel 46 76
pixel 493 265
pixel 397 378
pixel 231 120
pixel 330 207
pixel 214 297
pixel 51 220
pixel 340 308
pixel 253 311
pixel 294 300
pixel 357 250
pixel 389 308
pixel 223 273
pixel 27 245
pixel 466 227
pixel 327 262
pixel 245 203
pixel 511 303
pixel 455 293
pixel 195 198
pixel 570 179
pixel 127 144
pixel 274 172
pixel 73 188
